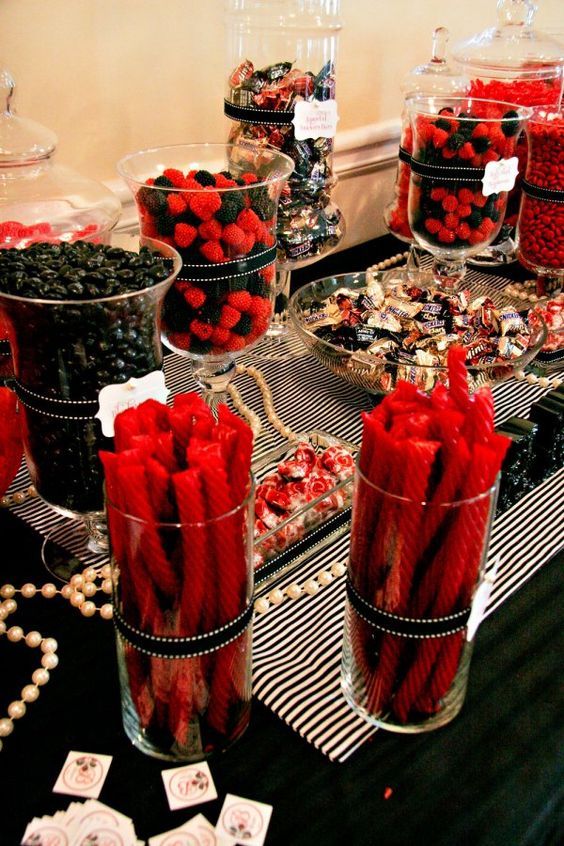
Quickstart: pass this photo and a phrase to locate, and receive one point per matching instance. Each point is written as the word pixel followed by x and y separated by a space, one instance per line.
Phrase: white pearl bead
pixel 15 633
pixel 262 605
pixel 77 581
pixel 40 676
pixel 339 569
pixel 33 639
pixel 32 490
pixel 276 596
pixel 324 577
pixel 9 605
pixel 556 382
pixel 107 586
pixel 3 613
pixel 7 591
pixel 16 710
pixel 531 379
pixel 2 627
pixel 519 375
pixel 48 590
pixel 107 611
pixel 88 609
pixel 49 644
pixel 311 587
pixel 294 590
pixel 544 382
pixel 76 599
pixel 28 590
pixel 6 727
pixel 89 574
pixel 49 661
pixel 106 571
pixel 67 591
pixel 30 693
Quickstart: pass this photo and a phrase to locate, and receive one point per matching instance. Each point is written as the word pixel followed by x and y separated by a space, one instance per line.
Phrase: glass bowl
pixel 378 375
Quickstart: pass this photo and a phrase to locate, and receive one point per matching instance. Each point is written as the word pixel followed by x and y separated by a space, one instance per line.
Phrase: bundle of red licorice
pixel 420 529
pixel 181 562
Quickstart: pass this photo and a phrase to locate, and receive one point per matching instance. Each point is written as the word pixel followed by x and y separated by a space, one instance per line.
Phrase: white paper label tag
pixel 242 821
pixel 115 398
pixel 196 832
pixel 315 119
pixel 500 176
pixel 189 785
pixel 83 774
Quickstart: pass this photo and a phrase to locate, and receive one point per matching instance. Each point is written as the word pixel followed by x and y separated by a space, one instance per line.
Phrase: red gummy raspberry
pixel 450 203
pixel 480 131
pixel 447 153
pixel 268 273
pixel 432 225
pixel 249 178
pixel 440 137
pixel 479 200
pixel 260 306
pixel 259 326
pixel 451 221
pixel 184 234
pixel 465 196
pixel 490 156
pixel 487 226
pixel 201 330
pixel 192 184
pixel 236 343
pixel 233 236
pixel 248 243
pixel 438 194
pixel 476 237
pixel 195 297
pixel 222 181
pixel 176 204
pixel 467 151
pixel 176 177
pixel 229 317
pixel 213 251
pixel 220 336
pixel 210 230
pixel 446 236
pixel 181 340
pixel 463 231
pixel 464 210
pixel 204 204
pixel 150 181
pixel 240 300
pixel 249 221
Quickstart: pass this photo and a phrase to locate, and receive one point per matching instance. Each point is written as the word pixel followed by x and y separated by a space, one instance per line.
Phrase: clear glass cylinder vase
pixel 414 569
pixel 183 615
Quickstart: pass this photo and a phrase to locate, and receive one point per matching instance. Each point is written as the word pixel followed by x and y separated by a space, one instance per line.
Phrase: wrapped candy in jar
pixel 281 93
pixel 541 217
pixel 514 63
pixel 436 77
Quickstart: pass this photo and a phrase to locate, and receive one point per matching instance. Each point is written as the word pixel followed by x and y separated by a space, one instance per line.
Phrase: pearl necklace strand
pixel 79 592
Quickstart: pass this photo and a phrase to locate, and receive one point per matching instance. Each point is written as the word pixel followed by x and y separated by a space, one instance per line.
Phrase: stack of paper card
pixel 82 824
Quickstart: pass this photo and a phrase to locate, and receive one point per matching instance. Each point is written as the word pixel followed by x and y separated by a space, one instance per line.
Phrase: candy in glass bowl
pixel 373 329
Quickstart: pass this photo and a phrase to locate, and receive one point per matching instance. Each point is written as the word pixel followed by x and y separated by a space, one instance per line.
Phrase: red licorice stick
pixel 241 458
pixel 152 417
pixel 126 426
pixel 181 704
pixel 457 376
pixel 158 483
pixel 140 684
pixel 164 451
pixel 198 569
pixel 479 423
pixel 222 687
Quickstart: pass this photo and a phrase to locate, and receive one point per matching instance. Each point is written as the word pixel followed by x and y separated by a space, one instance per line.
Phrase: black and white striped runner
pixel 297 644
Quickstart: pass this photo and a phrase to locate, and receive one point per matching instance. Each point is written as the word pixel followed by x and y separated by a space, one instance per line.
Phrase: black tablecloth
pixel 493 776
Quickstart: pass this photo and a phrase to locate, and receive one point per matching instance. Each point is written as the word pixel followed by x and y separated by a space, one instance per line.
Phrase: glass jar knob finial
pixel 7 86
pixel 516 12
pixel 440 41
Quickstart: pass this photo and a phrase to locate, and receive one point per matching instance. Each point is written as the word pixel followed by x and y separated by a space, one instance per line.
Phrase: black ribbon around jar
pixel 394 624
pixel 228 269
pixel 404 156
pixel 157 646
pixel 552 195
pixel 447 173
pixel 65 409
pixel 248 114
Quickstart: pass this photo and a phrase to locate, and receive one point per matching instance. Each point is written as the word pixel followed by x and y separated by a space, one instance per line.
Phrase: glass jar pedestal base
pixel 74 545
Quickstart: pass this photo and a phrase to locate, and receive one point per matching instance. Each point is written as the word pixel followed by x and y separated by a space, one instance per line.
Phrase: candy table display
pixel 463 166
pixel 424 499
pixel 217 205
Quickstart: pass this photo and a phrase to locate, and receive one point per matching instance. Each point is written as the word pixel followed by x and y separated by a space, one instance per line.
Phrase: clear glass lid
pixel 513 43
pixel 21 140
pixel 437 76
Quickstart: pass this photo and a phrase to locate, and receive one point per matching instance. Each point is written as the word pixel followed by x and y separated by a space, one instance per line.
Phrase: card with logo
pixel 196 832
pixel 242 821
pixel 83 774
pixel 188 785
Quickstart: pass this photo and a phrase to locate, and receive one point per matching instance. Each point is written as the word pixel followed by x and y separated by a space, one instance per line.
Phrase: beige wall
pixel 111 76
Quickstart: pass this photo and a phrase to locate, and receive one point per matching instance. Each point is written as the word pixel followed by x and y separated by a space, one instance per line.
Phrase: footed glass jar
pixel 280 91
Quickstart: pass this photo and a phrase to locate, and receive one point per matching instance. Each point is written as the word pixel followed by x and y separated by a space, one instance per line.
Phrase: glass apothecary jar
pixel 516 63
pixel 280 91
pixel 437 77
pixel 41 200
